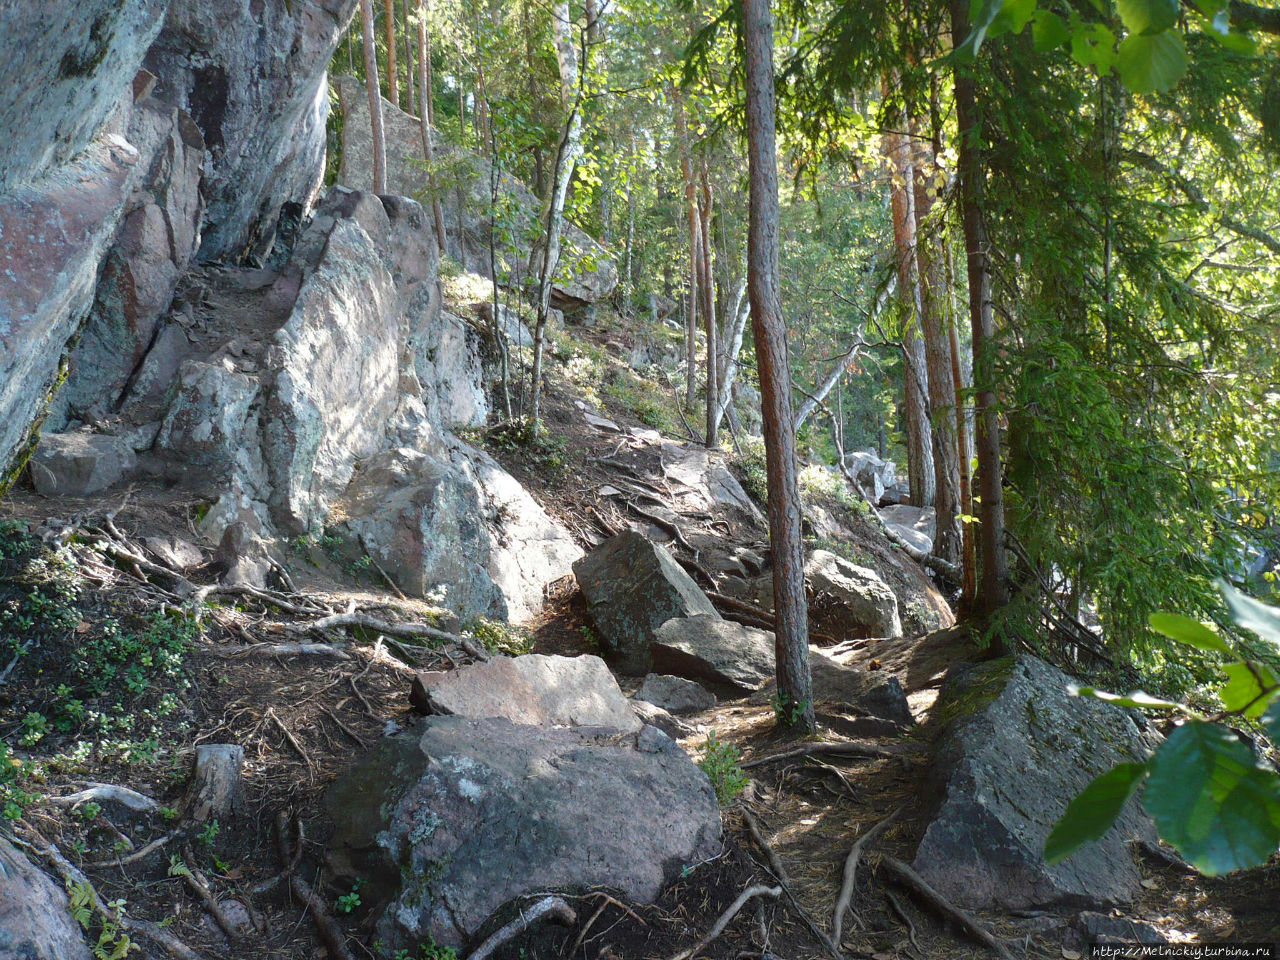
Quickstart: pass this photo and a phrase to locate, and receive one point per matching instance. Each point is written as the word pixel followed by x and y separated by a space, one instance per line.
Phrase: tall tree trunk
pixel 993 586
pixel 920 475
pixel 375 97
pixel 791 643
pixel 740 311
pixel 393 85
pixel 428 134
pixel 409 72
pixel 571 92
pixel 937 352
pixel 964 443
pixel 695 245
pixel 709 311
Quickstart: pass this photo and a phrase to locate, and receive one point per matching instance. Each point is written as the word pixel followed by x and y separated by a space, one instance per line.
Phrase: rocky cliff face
pixel 144 167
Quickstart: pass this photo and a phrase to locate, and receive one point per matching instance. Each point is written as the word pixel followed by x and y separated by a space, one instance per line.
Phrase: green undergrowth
pixel 93 678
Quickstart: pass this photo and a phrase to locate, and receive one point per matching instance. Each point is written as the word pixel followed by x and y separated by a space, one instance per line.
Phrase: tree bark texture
pixel 791 641
pixel 993 585
pixel 428 133
pixel 375 97
pixel 393 86
pixel 920 474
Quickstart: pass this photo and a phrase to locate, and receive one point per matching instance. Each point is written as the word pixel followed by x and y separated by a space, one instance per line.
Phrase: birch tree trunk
pixel 709 311
pixel 791 636
pixel 375 97
pixel 567 153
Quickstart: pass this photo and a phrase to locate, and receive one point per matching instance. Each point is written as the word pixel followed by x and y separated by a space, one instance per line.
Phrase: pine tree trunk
pixel 791 644
pixel 695 244
pixel 428 133
pixel 937 351
pixel 375 97
pixel 993 586
pixel 393 85
pixel 409 73
pixel 920 475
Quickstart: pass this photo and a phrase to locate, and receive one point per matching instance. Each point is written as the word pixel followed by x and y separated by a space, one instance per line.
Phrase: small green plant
pixel 13 772
pixel 434 951
pixel 113 943
pixel 589 638
pixel 500 637
pixel 34 727
pixel 1210 797
pixel 349 901
pixel 209 834
pixel 787 712
pixel 720 762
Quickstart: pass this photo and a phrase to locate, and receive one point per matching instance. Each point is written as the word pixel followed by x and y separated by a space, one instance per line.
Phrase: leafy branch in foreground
pixel 1210 797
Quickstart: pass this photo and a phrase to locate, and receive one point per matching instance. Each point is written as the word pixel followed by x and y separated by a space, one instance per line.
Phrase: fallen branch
pixel 109 793
pixel 552 907
pixel 845 899
pixel 909 878
pixel 194 879
pixel 281 650
pixel 138 854
pixel 898 909
pixel 288 735
pixel 859 751
pixel 725 918
pixel 406 630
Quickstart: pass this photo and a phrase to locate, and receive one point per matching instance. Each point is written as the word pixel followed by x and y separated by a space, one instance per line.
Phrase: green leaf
pixel 1093 45
pixel 1148 16
pixel 1211 801
pixel 1090 815
pixel 1137 699
pixel 1152 64
pixel 982 13
pixel 1049 31
pixel 1243 688
pixel 1014 15
pixel 1250 614
pixel 1188 631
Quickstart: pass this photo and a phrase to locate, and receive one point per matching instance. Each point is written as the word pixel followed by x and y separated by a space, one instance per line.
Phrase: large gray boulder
pixel 458 816
pixel 1016 749
pixel 587 273
pixel 79 463
pixel 632 587
pixel 35 919
pixel 675 694
pixel 869 607
pixel 533 689
pixel 720 651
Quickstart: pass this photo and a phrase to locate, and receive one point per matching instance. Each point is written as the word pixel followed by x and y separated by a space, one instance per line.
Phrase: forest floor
pixel 85 707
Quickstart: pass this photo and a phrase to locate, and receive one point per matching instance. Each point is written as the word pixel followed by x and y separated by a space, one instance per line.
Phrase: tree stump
pixel 216 791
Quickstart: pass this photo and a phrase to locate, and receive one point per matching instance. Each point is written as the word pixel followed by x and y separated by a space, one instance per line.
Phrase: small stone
pixel 675 694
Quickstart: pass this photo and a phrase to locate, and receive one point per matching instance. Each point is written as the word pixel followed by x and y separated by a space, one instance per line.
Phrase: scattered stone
pixel 675 694
pixel 719 651
pixel 916 525
pixel 79 463
pixel 871 606
pixel 886 701
pixel 655 716
pixel 600 423
pixel 1016 749
pixel 872 474
pixel 456 817
pixel 245 557
pixel 35 918
pixel 533 689
pixel 633 586
pixel 1101 929
pixel 174 552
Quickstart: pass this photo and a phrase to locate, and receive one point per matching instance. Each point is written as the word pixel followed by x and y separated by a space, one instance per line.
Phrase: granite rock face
pixel 708 648
pixel 1017 748
pixel 253 77
pixel 456 817
pixel 869 606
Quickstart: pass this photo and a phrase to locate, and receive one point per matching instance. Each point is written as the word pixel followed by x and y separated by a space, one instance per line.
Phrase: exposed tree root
pixel 725 918
pixel 941 905
pixel 110 793
pixel 551 907
pixel 408 631
pixel 851 871
pixel 861 751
